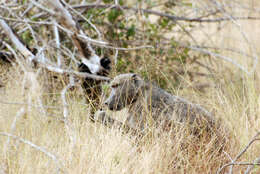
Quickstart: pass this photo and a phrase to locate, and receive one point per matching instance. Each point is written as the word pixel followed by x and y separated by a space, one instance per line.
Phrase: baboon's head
pixel 125 90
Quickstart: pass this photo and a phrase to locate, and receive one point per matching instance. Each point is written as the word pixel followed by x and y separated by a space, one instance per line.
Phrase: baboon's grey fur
pixel 150 104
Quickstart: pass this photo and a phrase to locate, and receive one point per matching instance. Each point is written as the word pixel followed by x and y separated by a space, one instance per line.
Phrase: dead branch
pixel 32 105
pixel 225 58
pixel 221 8
pixel 245 149
pixel 199 19
pixel 251 167
pixel 29 55
pixel 25 21
pixel 41 149
pixel 66 20
pixel 79 74
pixel 15 56
pixel 63 98
pixel 239 155
pixel 247 146
pixel 16 41
pixel 68 126
pixel 19 114
pixel 89 58
pixel 88 21
pixel 60 62
pixel 238 164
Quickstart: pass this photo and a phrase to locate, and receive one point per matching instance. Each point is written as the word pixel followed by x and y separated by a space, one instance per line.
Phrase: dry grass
pixel 96 149
pixel 81 146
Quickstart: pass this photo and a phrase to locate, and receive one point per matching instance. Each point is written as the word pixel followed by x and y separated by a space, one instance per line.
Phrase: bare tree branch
pixel 239 155
pixel 68 126
pixel 239 164
pixel 79 74
pixel 169 16
pixel 251 167
pixel 19 45
pixel 60 62
pixel 65 18
pixel 28 54
pixel 88 21
pixel 36 106
pixel 26 21
pixel 247 146
pixel 41 149
pixel 225 58
pixel 19 114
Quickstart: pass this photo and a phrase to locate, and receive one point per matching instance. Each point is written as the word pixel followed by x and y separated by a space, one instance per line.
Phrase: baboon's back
pixel 163 105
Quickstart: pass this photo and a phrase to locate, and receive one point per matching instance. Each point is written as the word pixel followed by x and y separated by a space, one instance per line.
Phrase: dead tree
pixel 91 67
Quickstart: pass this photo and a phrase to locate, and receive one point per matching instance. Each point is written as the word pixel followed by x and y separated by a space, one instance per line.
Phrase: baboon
pixel 148 104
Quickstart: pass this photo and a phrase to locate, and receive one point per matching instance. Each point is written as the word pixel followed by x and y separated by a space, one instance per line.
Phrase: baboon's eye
pixel 114 85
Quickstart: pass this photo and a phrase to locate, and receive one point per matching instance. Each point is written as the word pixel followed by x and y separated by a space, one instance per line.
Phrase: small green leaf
pixel 130 31
pixel 121 2
pixel 164 22
pixel 187 4
pixel 108 1
pixel 113 15
pixel 105 87
pixel 121 25
pixel 26 36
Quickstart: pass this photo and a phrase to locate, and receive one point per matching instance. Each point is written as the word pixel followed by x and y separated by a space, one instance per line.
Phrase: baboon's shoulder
pixel 160 95
pixel 161 99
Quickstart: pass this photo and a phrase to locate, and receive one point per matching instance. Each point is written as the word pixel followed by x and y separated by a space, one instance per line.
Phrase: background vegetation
pixel 205 51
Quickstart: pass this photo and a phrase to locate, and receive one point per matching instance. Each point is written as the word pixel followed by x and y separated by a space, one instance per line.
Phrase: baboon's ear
pixel 137 80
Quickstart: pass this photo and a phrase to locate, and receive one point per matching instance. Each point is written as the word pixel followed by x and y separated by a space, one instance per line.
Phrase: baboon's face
pixel 125 90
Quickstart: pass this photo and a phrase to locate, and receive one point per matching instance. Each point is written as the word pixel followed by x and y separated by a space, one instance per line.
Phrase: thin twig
pixel 16 41
pixel 79 74
pixel 26 21
pixel 244 150
pixel 88 55
pixel 239 164
pixel 66 20
pixel 127 49
pixel 57 41
pixel 41 149
pixel 19 114
pixel 169 16
pixel 102 43
pixel 68 126
pixel 251 167
pixel 15 56
pixel 93 41
pixel 83 17
pixel 42 7
pixel 243 34
pixel 225 58
pixel 35 106
pixel 64 101
pixel 239 155
pixel 27 54
pixel 115 57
